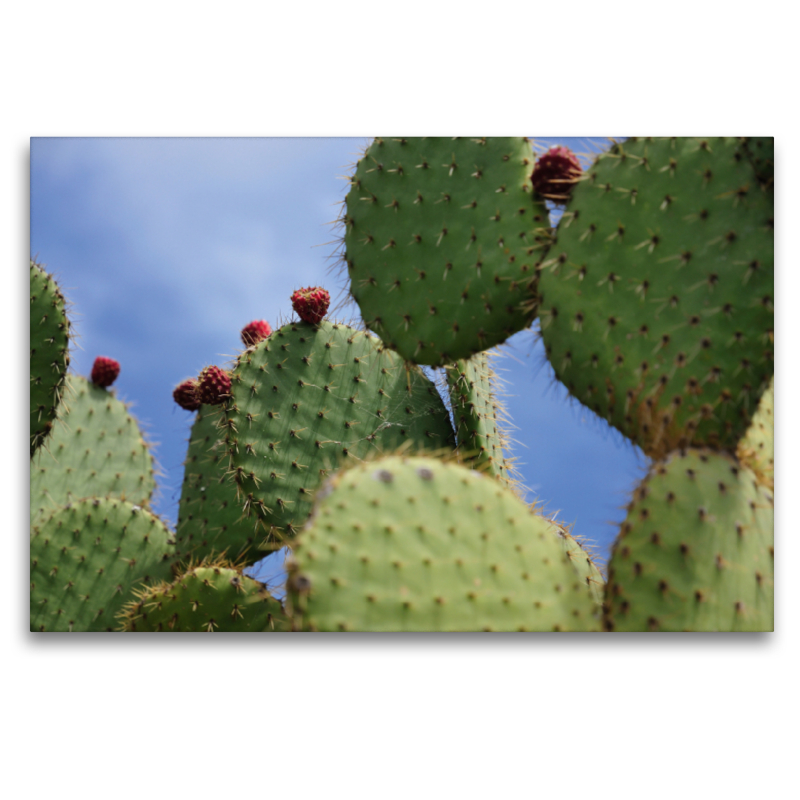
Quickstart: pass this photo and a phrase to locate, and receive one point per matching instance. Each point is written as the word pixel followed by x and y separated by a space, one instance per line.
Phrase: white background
pixel 382 717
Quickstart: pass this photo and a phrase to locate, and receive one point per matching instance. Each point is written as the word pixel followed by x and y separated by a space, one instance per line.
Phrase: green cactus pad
pixel 50 333
pixel 476 412
pixel 208 597
pixel 756 449
pixel 442 237
pixel 95 450
pixel 695 552
pixel 210 516
pixel 88 557
pixel 415 544
pixel 311 398
pixel 656 300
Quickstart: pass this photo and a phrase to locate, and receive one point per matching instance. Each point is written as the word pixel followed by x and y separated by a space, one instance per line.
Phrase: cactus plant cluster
pixel 394 492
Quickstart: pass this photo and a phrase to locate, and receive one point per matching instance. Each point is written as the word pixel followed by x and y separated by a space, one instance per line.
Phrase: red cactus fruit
pixel 311 304
pixel 104 371
pixel 213 386
pixel 186 396
pixel 255 331
pixel 555 173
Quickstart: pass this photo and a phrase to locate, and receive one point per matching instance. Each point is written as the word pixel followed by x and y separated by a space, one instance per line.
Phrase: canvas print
pixel 421 384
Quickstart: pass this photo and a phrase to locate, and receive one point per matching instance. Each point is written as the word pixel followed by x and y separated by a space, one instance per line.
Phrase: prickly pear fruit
pixel 186 395
pixel 255 331
pixel 213 385
pixel 311 304
pixel 104 371
pixel 555 173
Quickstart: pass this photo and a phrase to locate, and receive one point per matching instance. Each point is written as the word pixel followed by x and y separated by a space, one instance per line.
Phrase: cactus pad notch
pixel 442 237
pixel 311 398
pixel 656 299
pixel 416 544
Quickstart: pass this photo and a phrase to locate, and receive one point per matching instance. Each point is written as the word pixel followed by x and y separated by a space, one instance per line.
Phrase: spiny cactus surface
pixel 656 300
pixel 695 552
pixel 95 450
pixel 442 237
pixel 478 416
pixel 312 398
pixel 208 597
pixel 415 544
pixel 49 346
pixel 88 557
pixel 211 519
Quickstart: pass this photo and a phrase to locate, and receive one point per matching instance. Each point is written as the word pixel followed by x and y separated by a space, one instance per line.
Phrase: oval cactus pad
pixel 88 557
pixel 311 398
pixel 695 552
pixel 442 237
pixel 95 450
pixel 656 300
pixel 415 544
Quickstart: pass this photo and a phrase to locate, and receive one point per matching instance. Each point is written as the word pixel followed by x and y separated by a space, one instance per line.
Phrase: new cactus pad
pixel 212 596
pixel 442 237
pixel 210 517
pixel 415 544
pixel 96 449
pixel 87 558
pixel 475 414
pixel 656 299
pixel 49 346
pixel 695 552
pixel 312 398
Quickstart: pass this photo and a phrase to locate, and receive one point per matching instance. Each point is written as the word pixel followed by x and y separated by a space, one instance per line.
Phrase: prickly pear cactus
pixel 49 345
pixel 210 596
pixel 87 558
pixel 696 550
pixel 415 544
pixel 95 450
pixel 211 519
pixel 656 300
pixel 441 241
pixel 312 398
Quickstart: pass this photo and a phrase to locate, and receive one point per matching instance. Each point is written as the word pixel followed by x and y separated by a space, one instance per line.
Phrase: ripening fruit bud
pixel 213 386
pixel 555 173
pixel 311 304
pixel 186 396
pixel 255 331
pixel 104 371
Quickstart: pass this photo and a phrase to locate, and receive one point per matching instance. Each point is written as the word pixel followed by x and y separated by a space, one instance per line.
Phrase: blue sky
pixel 167 247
